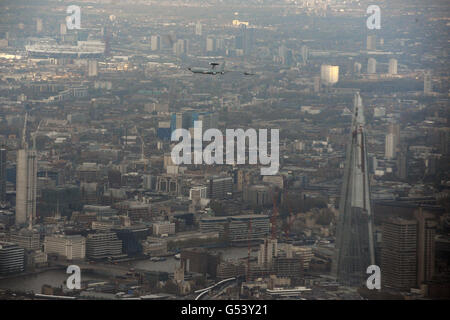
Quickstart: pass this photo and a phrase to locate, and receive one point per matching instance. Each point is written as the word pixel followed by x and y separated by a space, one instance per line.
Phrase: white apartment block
pixel 71 247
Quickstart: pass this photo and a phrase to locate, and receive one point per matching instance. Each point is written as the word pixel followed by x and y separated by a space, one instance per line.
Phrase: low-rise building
pixel 163 227
pixel 12 258
pixel 103 245
pixel 71 247
pixel 154 247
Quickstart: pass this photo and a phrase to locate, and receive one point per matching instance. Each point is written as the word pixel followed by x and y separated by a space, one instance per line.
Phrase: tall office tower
pixel 210 44
pixel 220 44
pixel 2 175
pixel 354 237
pixel 394 128
pixel 155 43
pixel 107 39
pixel 444 141
pixel 198 29
pixel 239 41
pixel 92 68
pixel 38 25
pixel 402 163
pixel 282 53
pixel 305 54
pixel 329 74
pixel 180 47
pixel 427 88
pixel 176 121
pixel 371 42
pixel 426 247
pixel 392 141
pixel 398 254
pixel 63 29
pixel 26 182
pixel 372 66
pixel 389 148
pixel 185 45
pixel 246 39
pixel 249 40
pixel 392 66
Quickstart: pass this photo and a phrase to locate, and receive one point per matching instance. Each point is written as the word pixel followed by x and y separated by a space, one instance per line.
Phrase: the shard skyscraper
pixel 354 237
pixel 26 182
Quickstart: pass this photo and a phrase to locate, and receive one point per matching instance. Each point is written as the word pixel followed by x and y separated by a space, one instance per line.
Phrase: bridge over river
pixel 102 268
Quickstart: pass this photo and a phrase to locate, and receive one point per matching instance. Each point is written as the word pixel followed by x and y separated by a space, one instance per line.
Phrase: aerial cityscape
pixel 224 150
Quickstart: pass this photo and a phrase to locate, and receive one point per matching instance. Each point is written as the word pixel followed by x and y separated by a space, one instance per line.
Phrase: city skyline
pixel 114 120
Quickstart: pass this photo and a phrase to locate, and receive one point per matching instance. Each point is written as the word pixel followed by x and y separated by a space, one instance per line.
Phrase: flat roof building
pixel 71 247
pixel 12 258
pixel 103 245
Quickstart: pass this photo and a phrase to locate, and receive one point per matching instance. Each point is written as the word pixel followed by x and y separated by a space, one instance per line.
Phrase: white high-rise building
pixel 92 68
pixel 372 66
pixel 394 128
pixel 305 54
pixel 329 74
pixel 390 146
pixel 392 66
pixel 198 29
pixel 38 25
pixel 63 29
pixel 283 53
pixel 210 44
pixel 155 43
pixel 371 43
pixel 267 251
pixel 26 179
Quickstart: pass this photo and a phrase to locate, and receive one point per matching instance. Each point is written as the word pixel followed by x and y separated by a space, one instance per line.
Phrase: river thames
pixel 57 278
